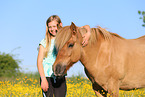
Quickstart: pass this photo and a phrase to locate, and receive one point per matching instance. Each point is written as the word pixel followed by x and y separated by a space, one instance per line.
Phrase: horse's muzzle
pixel 59 70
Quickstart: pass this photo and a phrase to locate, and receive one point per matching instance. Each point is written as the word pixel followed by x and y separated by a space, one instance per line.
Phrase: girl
pixel 49 83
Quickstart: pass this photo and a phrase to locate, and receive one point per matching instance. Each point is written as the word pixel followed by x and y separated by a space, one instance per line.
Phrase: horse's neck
pixel 89 54
pixel 94 55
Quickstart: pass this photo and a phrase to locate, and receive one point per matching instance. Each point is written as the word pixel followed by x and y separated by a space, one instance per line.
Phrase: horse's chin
pixel 59 75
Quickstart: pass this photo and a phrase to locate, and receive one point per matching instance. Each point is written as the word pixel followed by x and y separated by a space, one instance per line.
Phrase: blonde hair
pixel 48 35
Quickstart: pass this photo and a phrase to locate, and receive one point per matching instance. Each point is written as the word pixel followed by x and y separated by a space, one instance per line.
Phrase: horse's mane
pixel 64 34
pixel 114 34
pixel 142 37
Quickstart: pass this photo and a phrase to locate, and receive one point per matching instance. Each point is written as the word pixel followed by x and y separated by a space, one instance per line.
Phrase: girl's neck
pixel 52 37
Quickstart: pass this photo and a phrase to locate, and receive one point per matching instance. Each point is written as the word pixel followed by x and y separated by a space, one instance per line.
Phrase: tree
pixel 142 13
pixel 8 66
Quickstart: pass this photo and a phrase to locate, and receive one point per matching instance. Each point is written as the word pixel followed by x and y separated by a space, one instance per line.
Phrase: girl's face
pixel 52 27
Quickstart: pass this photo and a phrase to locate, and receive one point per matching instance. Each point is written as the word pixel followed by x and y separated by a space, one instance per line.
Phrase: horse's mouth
pixel 59 70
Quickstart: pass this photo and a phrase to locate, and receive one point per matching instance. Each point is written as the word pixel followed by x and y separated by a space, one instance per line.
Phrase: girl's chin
pixel 53 34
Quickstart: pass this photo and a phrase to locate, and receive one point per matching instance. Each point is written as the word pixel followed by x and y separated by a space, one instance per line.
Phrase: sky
pixel 22 23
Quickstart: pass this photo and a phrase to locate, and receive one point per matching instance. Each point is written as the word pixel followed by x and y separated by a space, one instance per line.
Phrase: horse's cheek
pixel 75 56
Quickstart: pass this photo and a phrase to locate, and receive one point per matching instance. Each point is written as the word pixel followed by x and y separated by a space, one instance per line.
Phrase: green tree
pixel 142 13
pixel 8 65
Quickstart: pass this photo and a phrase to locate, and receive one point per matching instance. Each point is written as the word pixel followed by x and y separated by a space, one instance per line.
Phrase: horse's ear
pixel 73 28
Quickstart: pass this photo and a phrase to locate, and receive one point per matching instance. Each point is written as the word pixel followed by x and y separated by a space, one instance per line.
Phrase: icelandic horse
pixel 111 62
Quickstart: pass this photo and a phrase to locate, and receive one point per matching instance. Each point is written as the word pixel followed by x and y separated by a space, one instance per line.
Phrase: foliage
pixel 20 87
pixel 74 78
pixel 28 85
pixel 142 17
pixel 8 66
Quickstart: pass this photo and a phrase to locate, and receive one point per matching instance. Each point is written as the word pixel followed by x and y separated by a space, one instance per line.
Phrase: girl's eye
pixel 70 45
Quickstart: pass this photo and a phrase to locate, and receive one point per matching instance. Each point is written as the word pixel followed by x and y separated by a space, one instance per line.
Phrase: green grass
pixel 77 86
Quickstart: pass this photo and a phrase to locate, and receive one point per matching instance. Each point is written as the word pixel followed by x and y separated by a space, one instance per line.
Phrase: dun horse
pixel 110 61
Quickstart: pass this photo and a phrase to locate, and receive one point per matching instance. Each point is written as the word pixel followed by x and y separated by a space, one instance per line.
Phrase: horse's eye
pixel 70 45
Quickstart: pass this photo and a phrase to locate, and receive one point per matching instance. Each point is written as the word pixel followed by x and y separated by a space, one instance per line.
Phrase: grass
pixel 27 85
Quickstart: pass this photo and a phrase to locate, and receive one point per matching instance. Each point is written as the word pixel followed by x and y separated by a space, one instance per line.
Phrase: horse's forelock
pixel 63 35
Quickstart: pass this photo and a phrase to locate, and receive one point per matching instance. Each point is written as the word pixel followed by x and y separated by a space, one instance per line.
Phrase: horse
pixel 111 62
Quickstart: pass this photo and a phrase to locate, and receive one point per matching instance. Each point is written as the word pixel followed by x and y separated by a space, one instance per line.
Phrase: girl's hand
pixel 44 84
pixel 86 37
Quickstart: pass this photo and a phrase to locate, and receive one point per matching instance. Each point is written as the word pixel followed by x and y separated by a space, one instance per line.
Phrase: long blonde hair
pixel 48 35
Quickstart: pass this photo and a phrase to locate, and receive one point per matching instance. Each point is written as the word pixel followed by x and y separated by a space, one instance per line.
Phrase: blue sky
pixel 22 23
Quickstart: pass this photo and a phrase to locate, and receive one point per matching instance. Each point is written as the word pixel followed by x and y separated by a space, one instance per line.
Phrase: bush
pixel 8 66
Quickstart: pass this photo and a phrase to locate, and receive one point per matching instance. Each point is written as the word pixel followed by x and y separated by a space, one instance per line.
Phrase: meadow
pixel 27 85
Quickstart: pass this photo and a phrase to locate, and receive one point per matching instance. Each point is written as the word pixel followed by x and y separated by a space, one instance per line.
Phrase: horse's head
pixel 69 44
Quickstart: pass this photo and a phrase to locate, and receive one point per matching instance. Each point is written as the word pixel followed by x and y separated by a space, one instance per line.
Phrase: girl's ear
pixel 60 24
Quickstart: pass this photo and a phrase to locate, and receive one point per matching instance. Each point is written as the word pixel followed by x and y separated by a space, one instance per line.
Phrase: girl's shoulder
pixel 43 42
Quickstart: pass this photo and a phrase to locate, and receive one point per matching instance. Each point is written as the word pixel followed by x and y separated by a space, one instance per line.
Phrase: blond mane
pixel 64 34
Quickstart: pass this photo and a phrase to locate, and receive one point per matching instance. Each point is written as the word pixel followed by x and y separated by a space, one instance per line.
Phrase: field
pixel 27 85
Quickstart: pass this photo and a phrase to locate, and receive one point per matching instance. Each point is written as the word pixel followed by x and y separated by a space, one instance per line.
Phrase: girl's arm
pixel 44 82
pixel 87 35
